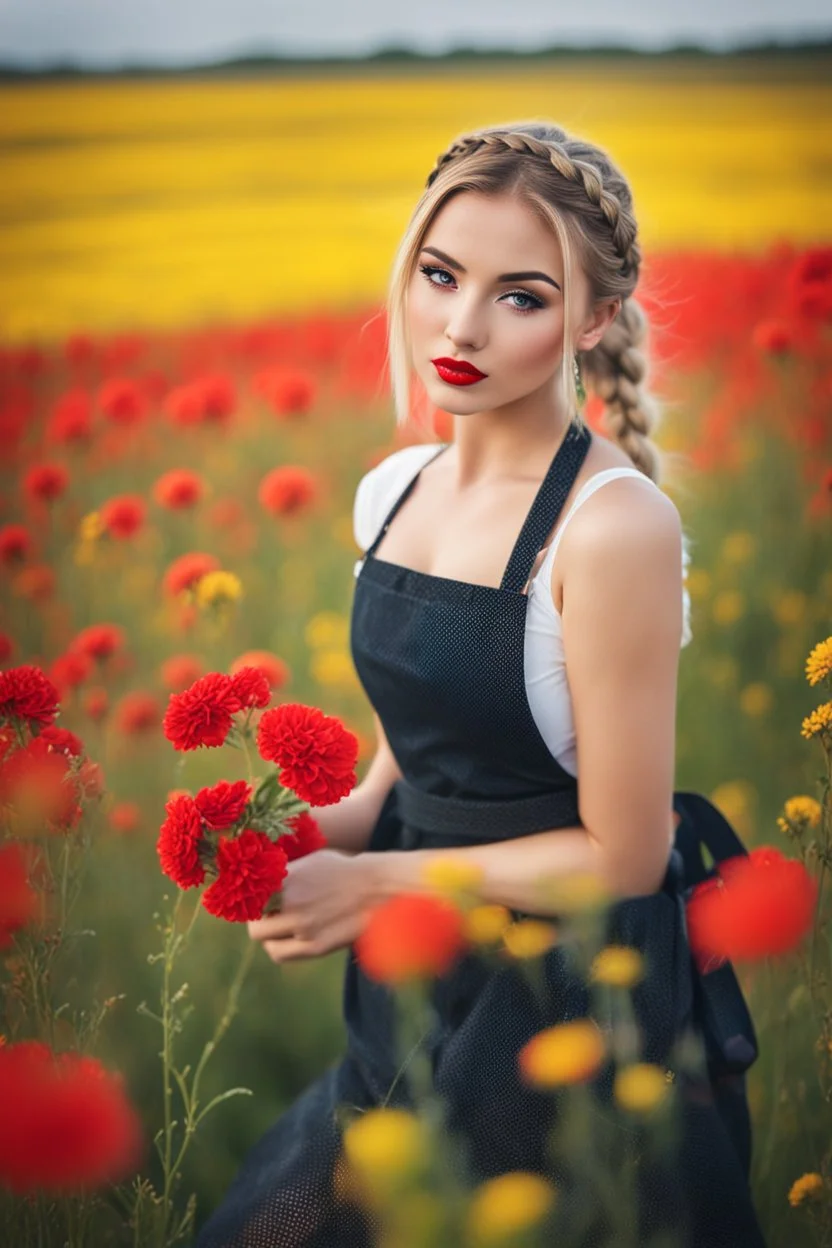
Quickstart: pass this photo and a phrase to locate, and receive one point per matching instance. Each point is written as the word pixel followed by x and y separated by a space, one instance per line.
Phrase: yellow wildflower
pixel 799 814
pixel 567 1053
pixel 698 583
pixel 455 878
pixel 617 965
pixel 641 1087
pixel 790 608
pixel 529 938
pixel 738 547
pixel 508 1206
pixel 807 1185
pixel 385 1145
pixel 90 527
pixel 577 893
pixel 819 662
pixel 486 925
pixel 327 630
pixel 819 723
pixel 736 800
pixel 217 588
pixel 332 668
pixel 728 606
pixel 756 699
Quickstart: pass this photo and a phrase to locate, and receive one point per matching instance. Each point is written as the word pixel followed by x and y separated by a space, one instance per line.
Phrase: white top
pixel 547 687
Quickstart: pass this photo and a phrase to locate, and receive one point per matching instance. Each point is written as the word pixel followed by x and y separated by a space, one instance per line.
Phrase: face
pixel 488 291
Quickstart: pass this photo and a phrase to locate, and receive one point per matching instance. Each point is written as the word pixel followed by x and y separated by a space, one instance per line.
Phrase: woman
pixel 516 625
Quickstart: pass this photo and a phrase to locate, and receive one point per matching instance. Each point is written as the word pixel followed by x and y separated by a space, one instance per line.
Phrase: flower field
pixel 183 428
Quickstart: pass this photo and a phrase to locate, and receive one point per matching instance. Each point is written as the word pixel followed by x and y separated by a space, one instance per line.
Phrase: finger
pixel 274 926
pixel 290 949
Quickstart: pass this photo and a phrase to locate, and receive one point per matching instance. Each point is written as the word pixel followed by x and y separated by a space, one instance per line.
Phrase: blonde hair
pixel 575 188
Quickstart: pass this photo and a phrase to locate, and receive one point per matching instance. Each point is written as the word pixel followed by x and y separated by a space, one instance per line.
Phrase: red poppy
pixel 71 419
pixel 222 805
pixel 287 490
pixel 122 517
pixel 181 670
pixel 19 903
pixel 410 936
pixel 27 693
pixel 137 712
pixel 252 687
pixel 46 482
pixel 201 714
pixel 288 392
pixel 178 489
pixel 15 543
pixel 758 905
pixel 123 401
pixel 274 669
pixel 66 1125
pixel 99 641
pixel 125 817
pixel 37 785
pixel 35 583
pixel 70 670
pixel 773 337
pixel 178 846
pixel 306 837
pixel 187 570
pixel 251 870
pixel 316 754
pixel 96 703
pixel 62 740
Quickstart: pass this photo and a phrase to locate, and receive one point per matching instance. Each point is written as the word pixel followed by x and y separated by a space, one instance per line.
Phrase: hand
pixel 325 900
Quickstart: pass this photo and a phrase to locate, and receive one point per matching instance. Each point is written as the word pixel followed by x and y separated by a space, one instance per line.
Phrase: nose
pixel 464 328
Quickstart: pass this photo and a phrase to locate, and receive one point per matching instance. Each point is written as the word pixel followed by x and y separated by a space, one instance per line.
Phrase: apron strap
pixel 404 494
pixel 493 819
pixel 702 823
pixel 547 506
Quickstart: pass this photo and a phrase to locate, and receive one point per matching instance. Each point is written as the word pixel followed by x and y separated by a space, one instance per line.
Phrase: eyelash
pixel 428 269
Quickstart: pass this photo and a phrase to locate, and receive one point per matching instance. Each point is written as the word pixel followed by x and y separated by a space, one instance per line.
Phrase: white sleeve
pixel 364 510
pixel 379 488
pixel 687 634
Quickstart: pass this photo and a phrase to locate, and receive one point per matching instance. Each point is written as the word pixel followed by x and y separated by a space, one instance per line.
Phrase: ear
pixel 593 330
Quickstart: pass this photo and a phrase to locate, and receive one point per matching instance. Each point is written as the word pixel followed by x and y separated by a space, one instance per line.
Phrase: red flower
pixel 35 583
pixel 96 703
pixel 123 516
pixel 62 741
pixel 70 670
pixel 288 392
pixel 35 782
pixel 411 936
pixel 46 482
pixel 315 752
pixel 137 712
pixel 122 401
pixel 178 489
pixel 274 669
pixel 71 419
pixel 201 715
pixel 306 838
pixel 181 670
pixel 27 693
pixel 209 398
pixel 251 868
pixel 7 647
pixel 223 805
pixel 287 490
pixel 66 1125
pixel 98 641
pixel 757 906
pixel 252 687
pixel 179 840
pixel 19 903
pixel 773 337
pixel 185 571
pixel 15 543
pixel 125 817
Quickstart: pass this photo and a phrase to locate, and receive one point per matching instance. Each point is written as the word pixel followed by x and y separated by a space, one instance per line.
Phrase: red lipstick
pixel 457 372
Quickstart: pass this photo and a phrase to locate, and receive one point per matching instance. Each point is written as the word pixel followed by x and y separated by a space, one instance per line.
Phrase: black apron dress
pixel 442 663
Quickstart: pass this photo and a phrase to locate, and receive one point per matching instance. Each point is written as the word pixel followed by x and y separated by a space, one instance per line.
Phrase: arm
pixel 622 622
pixel 347 824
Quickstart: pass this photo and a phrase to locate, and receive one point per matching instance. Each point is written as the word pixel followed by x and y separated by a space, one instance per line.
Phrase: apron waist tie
pixel 485 820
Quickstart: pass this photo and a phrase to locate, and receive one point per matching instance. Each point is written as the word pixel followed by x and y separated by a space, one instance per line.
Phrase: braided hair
pixel 575 187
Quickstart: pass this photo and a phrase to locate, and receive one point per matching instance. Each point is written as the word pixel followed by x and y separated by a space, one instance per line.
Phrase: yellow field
pixel 175 202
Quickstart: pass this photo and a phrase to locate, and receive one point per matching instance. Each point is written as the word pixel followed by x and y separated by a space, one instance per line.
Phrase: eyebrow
pixel 504 277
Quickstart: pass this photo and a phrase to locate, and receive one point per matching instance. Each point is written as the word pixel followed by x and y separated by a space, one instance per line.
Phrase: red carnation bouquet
pixel 240 836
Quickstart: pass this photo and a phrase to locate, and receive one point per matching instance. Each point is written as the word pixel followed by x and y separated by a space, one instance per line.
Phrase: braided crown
pixel 580 172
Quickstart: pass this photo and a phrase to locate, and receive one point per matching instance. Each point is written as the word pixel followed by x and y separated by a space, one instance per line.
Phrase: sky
pixel 109 33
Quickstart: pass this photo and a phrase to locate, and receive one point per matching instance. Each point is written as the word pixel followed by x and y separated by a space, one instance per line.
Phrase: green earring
pixel 579 384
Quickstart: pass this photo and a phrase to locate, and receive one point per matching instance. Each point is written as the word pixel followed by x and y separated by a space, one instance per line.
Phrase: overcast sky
pixel 110 32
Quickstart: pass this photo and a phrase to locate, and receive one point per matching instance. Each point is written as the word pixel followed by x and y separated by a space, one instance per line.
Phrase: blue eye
pixel 429 269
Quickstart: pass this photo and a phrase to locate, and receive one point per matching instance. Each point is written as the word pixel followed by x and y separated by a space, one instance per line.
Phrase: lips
pixel 457 372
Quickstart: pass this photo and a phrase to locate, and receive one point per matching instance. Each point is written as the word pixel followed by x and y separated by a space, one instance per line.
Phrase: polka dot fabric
pixel 441 661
